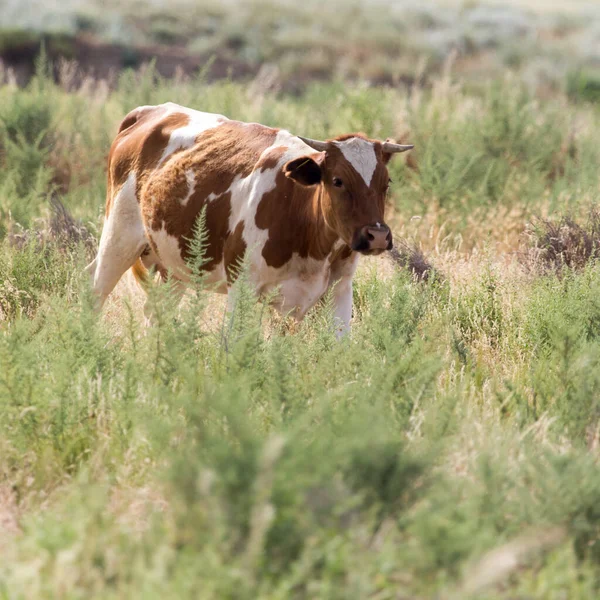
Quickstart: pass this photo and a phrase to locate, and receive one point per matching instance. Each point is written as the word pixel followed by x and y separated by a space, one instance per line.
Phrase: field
pixel 448 448
pixel 550 43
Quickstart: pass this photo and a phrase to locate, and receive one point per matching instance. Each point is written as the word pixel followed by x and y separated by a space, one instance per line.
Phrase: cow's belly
pixel 168 253
pixel 299 284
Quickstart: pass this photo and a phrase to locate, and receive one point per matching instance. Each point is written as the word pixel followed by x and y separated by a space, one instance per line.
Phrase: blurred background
pixel 552 44
pixel 449 448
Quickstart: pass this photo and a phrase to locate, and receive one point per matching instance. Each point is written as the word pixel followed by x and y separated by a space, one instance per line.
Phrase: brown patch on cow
pixel 218 212
pixel 220 155
pixel 154 145
pixel 143 136
pixel 295 222
pixel 138 113
pixel 162 208
pixel 233 253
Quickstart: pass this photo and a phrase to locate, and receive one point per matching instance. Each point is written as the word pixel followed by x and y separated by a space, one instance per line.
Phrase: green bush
pixel 584 85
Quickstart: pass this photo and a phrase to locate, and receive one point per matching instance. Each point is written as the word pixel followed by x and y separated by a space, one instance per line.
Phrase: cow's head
pixel 352 172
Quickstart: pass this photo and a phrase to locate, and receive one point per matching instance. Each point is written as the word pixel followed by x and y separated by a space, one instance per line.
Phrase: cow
pixel 301 210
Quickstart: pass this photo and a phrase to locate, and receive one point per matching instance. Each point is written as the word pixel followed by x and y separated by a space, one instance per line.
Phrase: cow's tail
pixel 140 273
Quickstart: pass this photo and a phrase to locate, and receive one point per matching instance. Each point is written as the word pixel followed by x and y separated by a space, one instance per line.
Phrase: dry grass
pixel 564 243
pixel 60 229
pixel 9 516
pixel 410 256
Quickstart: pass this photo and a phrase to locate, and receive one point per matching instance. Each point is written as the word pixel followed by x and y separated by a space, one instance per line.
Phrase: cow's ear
pixel 306 170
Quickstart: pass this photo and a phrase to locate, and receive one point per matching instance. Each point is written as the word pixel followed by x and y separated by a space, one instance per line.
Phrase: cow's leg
pixel 342 306
pixel 340 279
pixel 122 242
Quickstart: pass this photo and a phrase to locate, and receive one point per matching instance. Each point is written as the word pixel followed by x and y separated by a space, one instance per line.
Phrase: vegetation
pixel 447 448
pixel 551 45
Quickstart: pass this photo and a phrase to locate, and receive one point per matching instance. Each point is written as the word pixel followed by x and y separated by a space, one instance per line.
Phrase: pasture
pixel 448 448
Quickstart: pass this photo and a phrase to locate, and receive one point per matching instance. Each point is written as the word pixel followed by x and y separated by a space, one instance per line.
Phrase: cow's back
pixel 183 161
pixel 149 135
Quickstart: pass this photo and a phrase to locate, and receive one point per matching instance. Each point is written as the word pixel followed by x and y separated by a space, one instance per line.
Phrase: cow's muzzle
pixel 372 239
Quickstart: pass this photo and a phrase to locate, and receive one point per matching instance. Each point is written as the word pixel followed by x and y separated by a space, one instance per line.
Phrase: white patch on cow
pixel 169 253
pixel 190 177
pixel 298 294
pixel 361 155
pixel 247 193
pixel 185 137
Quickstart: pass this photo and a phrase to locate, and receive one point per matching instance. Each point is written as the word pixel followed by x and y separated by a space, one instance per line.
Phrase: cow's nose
pixel 378 236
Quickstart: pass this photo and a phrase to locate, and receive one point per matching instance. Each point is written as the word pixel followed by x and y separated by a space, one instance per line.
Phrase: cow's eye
pixel 337 182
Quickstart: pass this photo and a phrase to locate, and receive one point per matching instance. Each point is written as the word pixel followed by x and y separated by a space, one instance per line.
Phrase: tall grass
pixel 447 448
pixel 477 149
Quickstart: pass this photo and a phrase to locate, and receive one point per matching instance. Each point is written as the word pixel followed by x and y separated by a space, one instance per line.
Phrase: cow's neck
pixel 322 235
pixel 293 215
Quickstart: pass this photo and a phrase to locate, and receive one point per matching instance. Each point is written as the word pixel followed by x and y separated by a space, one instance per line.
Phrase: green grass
pixel 219 455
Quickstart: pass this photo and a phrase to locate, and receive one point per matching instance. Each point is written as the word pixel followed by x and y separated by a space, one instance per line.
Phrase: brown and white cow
pixel 304 210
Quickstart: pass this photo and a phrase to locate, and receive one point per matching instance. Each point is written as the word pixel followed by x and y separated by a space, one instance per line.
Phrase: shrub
pixel 564 244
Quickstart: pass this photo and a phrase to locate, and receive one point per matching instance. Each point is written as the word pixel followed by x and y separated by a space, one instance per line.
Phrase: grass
pixel 448 448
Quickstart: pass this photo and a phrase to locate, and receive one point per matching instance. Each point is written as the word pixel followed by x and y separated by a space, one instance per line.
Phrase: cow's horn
pixel 390 148
pixel 316 144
